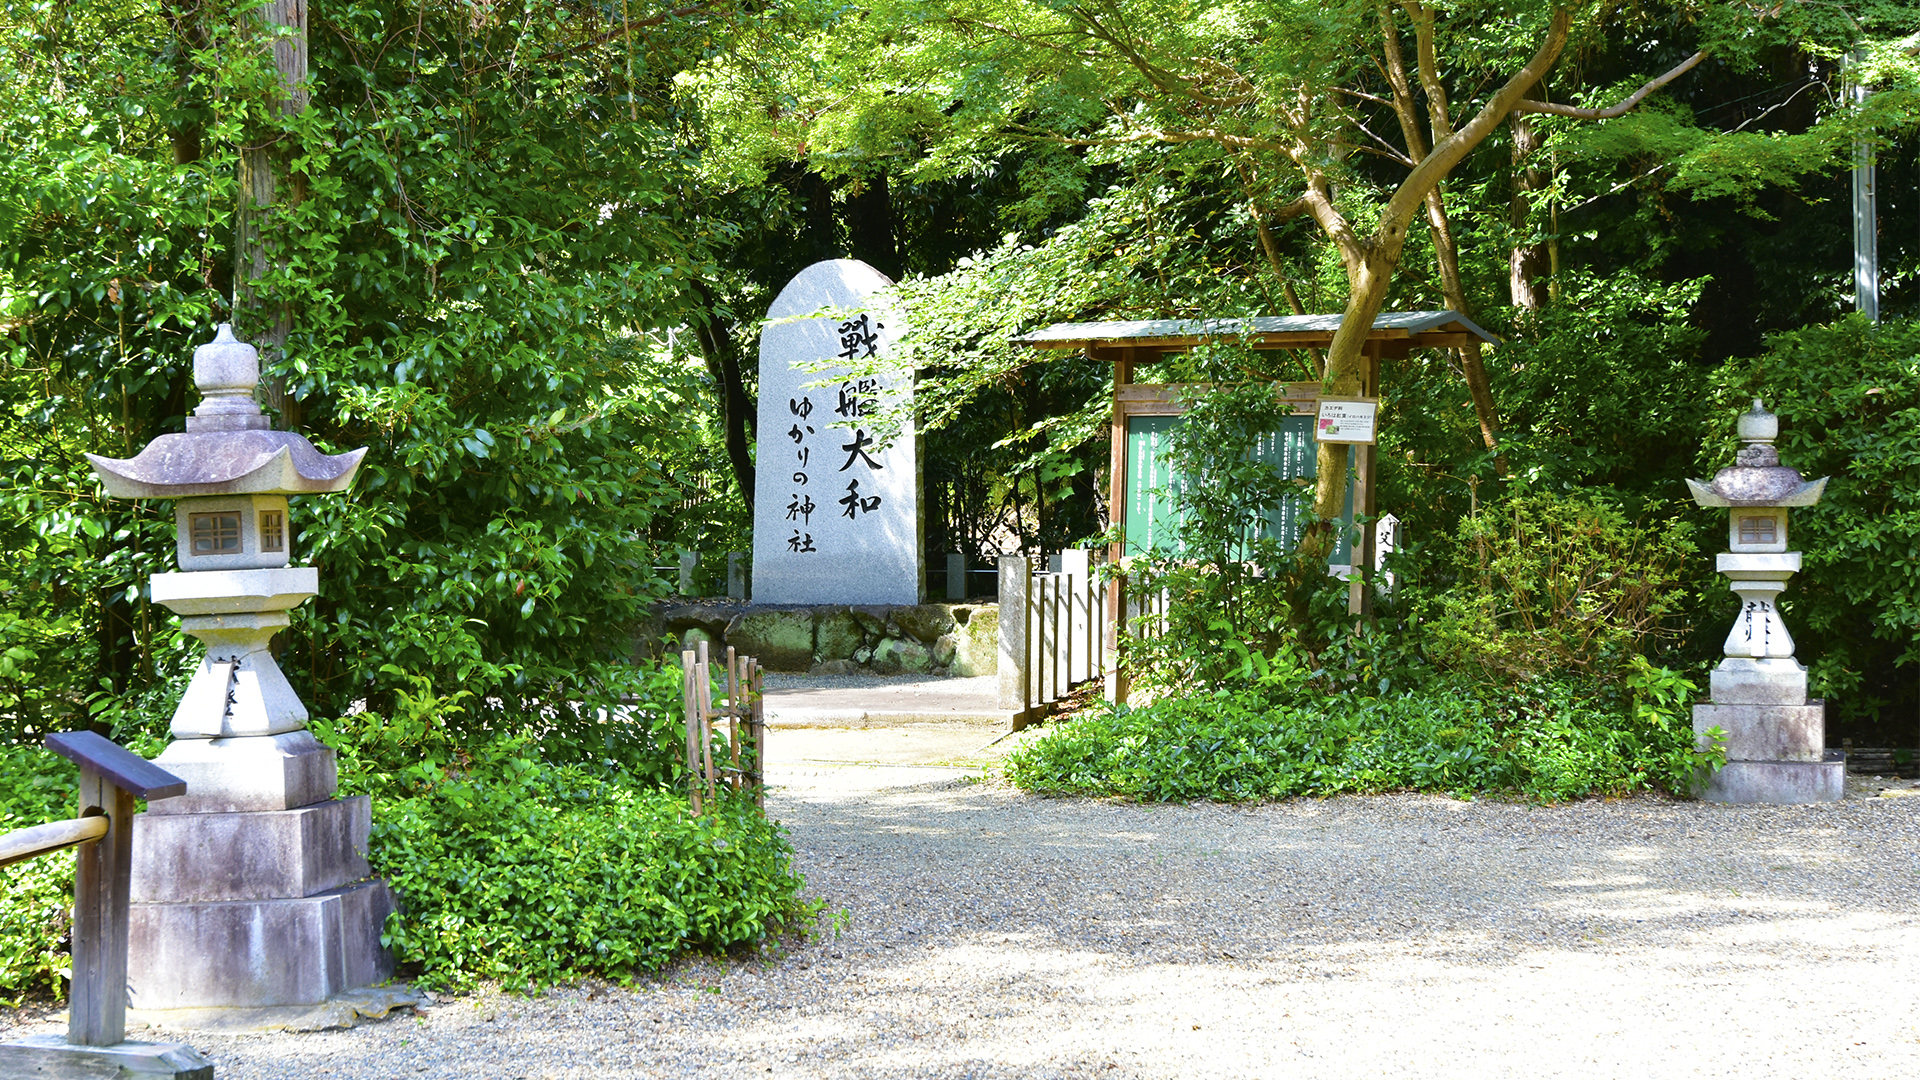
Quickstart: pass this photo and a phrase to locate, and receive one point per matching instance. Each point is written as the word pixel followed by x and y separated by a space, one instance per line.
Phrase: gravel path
pixel 992 934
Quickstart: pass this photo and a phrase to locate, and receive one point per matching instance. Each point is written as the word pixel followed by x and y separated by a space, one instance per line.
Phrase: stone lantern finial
pixel 225 371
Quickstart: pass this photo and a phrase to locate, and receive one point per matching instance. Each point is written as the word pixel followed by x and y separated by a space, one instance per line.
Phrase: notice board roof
pixel 1396 331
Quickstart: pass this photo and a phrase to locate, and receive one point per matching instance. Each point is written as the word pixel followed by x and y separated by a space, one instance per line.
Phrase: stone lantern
pixel 1775 737
pixel 252 889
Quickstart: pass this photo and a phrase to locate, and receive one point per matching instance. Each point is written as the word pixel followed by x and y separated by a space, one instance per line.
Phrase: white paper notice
pixel 1347 421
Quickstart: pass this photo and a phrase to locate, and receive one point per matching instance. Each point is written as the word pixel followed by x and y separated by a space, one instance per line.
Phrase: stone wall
pixel 929 639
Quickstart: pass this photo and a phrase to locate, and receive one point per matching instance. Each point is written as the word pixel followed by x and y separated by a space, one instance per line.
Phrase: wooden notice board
pixel 1153 488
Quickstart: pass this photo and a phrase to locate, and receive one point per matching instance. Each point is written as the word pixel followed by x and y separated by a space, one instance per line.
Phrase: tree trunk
pixel 1525 258
pixel 1472 365
pixel 737 409
pixel 266 186
pixel 1368 278
pixel 870 233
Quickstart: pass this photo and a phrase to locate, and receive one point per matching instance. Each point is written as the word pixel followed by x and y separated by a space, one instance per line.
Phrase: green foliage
pixel 1848 397
pixel 427 734
pixel 1276 736
pixel 1604 387
pixel 1553 582
pixel 1226 585
pixel 528 874
pixel 477 292
pixel 36 897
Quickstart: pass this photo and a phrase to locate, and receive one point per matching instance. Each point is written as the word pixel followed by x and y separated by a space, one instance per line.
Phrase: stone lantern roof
pixel 1756 478
pixel 229 447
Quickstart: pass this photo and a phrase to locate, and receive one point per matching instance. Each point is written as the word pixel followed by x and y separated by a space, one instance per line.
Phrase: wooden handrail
pixel 23 844
pixel 129 772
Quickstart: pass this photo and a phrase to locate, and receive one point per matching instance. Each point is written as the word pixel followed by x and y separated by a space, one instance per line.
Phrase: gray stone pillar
pixel 1078 617
pixel 688 560
pixel 736 575
pixel 956 576
pixel 1015 673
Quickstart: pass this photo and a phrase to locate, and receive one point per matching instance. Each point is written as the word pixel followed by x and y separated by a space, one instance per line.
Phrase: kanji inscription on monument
pixel 836 510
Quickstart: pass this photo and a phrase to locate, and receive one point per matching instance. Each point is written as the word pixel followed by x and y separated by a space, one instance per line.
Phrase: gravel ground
pixel 993 934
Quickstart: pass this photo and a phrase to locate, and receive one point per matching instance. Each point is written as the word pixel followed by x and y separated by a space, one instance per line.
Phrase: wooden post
pixel 759 728
pixel 703 702
pixel 734 686
pixel 689 668
pixel 1359 597
pixel 1115 687
pixel 97 1006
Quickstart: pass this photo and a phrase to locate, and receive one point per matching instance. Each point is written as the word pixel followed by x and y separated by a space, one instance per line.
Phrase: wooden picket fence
pixel 740 706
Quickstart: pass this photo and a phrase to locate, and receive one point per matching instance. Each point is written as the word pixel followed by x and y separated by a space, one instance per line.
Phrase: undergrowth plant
pixel 527 874
pixel 36 896
pixel 1560 582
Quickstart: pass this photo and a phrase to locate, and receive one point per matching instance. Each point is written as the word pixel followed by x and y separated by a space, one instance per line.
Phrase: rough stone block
pixel 255 772
pixel 976 642
pixel 1767 732
pixel 944 650
pixel 836 635
pixel 713 618
pixel 894 656
pixel 258 952
pixel 53 1058
pixel 924 622
pixel 649 637
pixel 875 622
pixel 1743 681
pixel 279 854
pixel 1779 782
pixel 781 639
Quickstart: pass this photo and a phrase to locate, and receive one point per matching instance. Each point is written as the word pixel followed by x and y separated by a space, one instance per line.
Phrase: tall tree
pixel 1283 87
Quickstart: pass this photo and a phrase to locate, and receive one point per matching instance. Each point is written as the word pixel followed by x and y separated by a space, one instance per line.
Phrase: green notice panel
pixel 1153 488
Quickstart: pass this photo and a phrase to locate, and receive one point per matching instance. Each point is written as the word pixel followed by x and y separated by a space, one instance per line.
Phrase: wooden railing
pixel 111 778
pixel 740 705
pixel 1052 631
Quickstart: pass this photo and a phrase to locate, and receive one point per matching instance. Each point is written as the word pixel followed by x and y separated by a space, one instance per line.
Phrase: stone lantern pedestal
pixel 251 893
pixel 1775 737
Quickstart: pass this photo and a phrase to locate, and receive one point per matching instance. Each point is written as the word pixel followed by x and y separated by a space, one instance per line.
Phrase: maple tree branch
pixel 1620 108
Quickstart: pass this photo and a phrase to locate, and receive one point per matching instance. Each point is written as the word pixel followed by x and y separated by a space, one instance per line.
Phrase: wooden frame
pixel 1127 345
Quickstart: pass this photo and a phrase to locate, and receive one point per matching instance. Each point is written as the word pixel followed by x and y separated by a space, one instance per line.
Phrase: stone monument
pixel 1775 737
pixel 252 889
pixel 836 515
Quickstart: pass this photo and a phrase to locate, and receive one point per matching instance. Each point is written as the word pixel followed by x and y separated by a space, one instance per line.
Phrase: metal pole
pixel 1866 224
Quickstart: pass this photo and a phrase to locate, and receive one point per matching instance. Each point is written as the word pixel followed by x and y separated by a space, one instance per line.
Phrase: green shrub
pixel 1560 583
pixel 1261 739
pixel 530 874
pixel 36 786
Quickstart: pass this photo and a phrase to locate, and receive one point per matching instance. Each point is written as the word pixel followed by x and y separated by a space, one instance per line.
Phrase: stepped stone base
pixel 253 953
pixel 1779 782
pixel 51 1056
pixel 257 772
pixel 256 856
pixel 1740 680
pixel 1766 732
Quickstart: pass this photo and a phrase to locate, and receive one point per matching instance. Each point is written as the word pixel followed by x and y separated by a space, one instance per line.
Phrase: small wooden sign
pixel 1346 420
